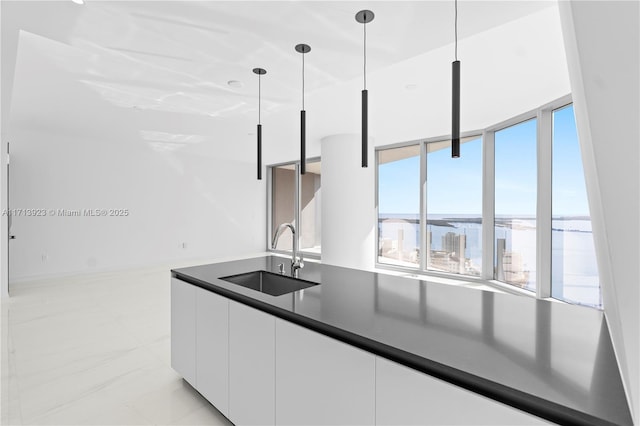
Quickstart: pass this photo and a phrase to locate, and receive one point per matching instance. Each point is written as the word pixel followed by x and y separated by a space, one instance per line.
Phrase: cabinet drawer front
pixel 212 348
pixel 409 397
pixel 320 380
pixel 251 366
pixel 183 329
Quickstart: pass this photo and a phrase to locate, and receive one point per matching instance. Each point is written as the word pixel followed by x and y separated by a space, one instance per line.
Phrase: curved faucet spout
pixel 279 231
pixel 296 258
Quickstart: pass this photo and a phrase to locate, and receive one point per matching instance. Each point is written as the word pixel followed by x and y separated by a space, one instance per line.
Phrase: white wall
pixel 602 44
pixel 348 203
pixel 6 75
pixel 180 182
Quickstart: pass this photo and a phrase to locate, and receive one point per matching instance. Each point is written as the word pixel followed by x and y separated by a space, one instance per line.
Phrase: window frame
pixel 552 108
pixel 544 147
pixel 522 118
pixel 423 181
pixel 422 267
pixel 296 206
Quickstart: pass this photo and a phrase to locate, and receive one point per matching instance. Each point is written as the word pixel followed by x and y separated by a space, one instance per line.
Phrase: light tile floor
pixel 94 350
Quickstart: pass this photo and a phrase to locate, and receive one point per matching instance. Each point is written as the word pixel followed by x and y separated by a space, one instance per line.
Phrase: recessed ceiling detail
pixel 172 61
pixel 147 49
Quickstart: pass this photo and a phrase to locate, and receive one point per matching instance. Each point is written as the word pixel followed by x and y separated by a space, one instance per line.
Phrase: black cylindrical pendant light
pixel 260 72
pixel 455 95
pixel 303 48
pixel 364 17
pixel 365 128
pixel 455 110
pixel 303 142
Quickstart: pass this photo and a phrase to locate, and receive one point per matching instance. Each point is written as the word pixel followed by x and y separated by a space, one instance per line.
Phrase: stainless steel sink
pixel 268 282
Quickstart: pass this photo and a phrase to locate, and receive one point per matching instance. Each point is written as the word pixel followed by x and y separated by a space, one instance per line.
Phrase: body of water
pixel 574 267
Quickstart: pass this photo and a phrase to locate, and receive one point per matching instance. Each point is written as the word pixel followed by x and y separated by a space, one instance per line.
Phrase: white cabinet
pixel 320 380
pixel 251 366
pixel 257 369
pixel 408 397
pixel 183 329
pixel 212 348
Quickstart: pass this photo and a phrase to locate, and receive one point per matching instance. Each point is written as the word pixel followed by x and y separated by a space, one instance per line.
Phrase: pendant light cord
pixel 303 80
pixel 365 54
pixel 259 98
pixel 456 28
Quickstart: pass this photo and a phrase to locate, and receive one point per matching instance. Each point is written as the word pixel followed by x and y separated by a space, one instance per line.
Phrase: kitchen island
pixel 407 343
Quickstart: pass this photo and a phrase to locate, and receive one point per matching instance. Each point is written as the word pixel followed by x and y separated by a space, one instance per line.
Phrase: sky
pixel 516 165
pixel 569 189
pixel 454 186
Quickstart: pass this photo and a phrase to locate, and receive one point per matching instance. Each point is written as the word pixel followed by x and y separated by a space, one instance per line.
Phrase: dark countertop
pixel 550 359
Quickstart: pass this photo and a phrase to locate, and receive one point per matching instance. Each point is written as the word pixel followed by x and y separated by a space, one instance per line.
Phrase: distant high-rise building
pixel 454 243
pixel 451 256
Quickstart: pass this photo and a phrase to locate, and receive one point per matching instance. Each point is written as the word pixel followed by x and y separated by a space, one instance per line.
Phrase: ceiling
pixel 178 57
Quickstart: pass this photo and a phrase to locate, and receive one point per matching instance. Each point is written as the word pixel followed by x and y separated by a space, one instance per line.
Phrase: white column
pixel 348 203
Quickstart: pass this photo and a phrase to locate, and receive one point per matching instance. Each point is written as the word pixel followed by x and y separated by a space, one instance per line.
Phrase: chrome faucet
pixel 296 257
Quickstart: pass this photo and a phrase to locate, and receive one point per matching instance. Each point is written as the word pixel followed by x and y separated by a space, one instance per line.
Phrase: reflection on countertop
pixel 552 359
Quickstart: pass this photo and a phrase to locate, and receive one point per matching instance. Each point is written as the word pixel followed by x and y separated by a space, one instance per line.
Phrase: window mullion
pixel 424 249
pixel 270 171
pixel 488 204
pixel 543 210
pixel 377 206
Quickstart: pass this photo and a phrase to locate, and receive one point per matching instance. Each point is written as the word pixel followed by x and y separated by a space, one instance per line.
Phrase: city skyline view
pixel 454 210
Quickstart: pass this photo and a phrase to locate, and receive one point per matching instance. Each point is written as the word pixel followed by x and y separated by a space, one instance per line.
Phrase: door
pixel 10 234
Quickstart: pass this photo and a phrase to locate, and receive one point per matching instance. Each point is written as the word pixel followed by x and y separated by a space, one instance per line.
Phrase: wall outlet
pixel 184 245
pixel 45 257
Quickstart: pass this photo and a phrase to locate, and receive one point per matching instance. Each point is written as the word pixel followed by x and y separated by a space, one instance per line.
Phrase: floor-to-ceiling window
pixel 310 208
pixel 574 270
pixel 283 184
pixel 288 190
pixel 454 207
pixel 432 208
pixel 515 204
pixel 399 206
